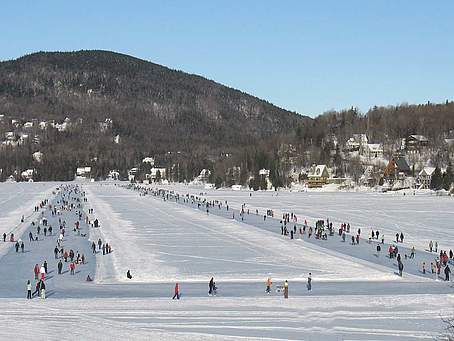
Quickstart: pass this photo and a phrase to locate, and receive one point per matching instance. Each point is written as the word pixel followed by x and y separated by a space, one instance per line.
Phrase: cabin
pixel 83 172
pixel 372 150
pixel 355 142
pixel 318 177
pixel 416 143
pixel 425 177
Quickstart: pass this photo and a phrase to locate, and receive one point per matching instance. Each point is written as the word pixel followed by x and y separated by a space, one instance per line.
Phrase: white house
pixel 113 175
pixel 27 174
pixel 83 172
pixel 425 177
pixel 154 173
pixel 37 156
pixel 355 142
pixel 372 150
pixel 28 125
pixel 149 160
pixel 318 177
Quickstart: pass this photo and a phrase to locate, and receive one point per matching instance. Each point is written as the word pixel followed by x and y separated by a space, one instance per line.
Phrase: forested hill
pixel 146 101
pixel 153 109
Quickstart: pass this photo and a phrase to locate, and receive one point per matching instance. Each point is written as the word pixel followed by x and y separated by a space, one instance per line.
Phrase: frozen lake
pixel 356 294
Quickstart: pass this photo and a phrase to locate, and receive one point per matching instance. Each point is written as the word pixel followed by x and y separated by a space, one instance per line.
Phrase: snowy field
pixel 356 294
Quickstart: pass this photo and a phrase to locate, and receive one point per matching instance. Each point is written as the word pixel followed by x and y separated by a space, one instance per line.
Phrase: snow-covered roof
pixel 420 138
pixel 375 147
pixel 428 171
pixel 320 171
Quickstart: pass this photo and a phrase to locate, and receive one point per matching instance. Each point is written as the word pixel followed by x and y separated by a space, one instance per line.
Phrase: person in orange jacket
pixel 177 292
pixel 269 283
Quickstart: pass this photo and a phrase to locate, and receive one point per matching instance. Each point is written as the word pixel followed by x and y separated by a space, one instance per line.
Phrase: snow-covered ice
pixel 355 296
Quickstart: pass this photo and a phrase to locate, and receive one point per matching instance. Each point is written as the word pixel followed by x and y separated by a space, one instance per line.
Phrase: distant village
pixel 407 165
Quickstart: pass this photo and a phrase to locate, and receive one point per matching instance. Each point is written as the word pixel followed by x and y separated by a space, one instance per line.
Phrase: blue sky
pixel 305 56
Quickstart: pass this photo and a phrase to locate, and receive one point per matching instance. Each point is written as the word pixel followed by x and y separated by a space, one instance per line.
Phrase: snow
pixel 356 295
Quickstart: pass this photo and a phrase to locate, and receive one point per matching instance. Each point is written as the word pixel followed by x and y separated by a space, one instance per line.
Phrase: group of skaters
pixel 322 230
pixel 69 201
pixel 106 248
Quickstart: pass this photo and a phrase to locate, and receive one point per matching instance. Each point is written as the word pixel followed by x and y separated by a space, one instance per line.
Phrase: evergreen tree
pixel 448 177
pixel 437 179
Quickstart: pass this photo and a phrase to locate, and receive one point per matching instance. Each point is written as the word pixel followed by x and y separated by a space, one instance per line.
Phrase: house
pixel 397 168
pixel 204 175
pixel 156 173
pixel 113 175
pixel 83 172
pixel 416 142
pixel 372 150
pixel 38 156
pixel 425 177
pixel 236 187
pixel 27 174
pixel 355 142
pixel 149 160
pixel 132 173
pixel 318 177
pixel 28 125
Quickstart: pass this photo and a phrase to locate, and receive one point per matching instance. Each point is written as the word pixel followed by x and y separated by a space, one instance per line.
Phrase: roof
pixel 420 138
pixel 427 171
pixel 320 171
pixel 374 147
pixel 402 165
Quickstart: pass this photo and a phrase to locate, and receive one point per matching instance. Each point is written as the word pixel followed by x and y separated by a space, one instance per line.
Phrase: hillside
pixel 154 110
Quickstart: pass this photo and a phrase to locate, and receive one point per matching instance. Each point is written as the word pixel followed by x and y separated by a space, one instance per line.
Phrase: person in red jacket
pixel 72 266
pixel 36 271
pixel 177 292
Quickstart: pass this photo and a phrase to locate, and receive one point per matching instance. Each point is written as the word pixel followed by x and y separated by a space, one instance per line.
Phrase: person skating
pixel 286 289
pixel 4 237
pixel 401 237
pixel 309 282
pixel 56 252
pixel 447 272
pixel 36 271
pixel 42 289
pixel 93 247
pixel 401 268
pixel 17 246
pixel 60 267
pixel 211 287
pixel 177 292
pixel 72 266
pixel 128 274
pixel 42 271
pixel 269 283
pixel 45 266
pixel 29 290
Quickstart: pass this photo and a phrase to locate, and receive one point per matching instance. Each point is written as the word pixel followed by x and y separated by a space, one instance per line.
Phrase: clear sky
pixel 305 56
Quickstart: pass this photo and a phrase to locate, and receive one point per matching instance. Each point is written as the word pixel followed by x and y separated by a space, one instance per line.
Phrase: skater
pixel 309 282
pixel 447 272
pixel 93 247
pixel 42 271
pixel 4 237
pixel 401 237
pixel 269 283
pixel 45 266
pixel 72 266
pixel 401 268
pixel 286 289
pixel 17 246
pixel 36 271
pixel 177 292
pixel 29 290
pixel 59 267
pixel 378 250
pixel 42 290
pixel 430 246
pixel 211 287
pixel 56 252
pixel 128 274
